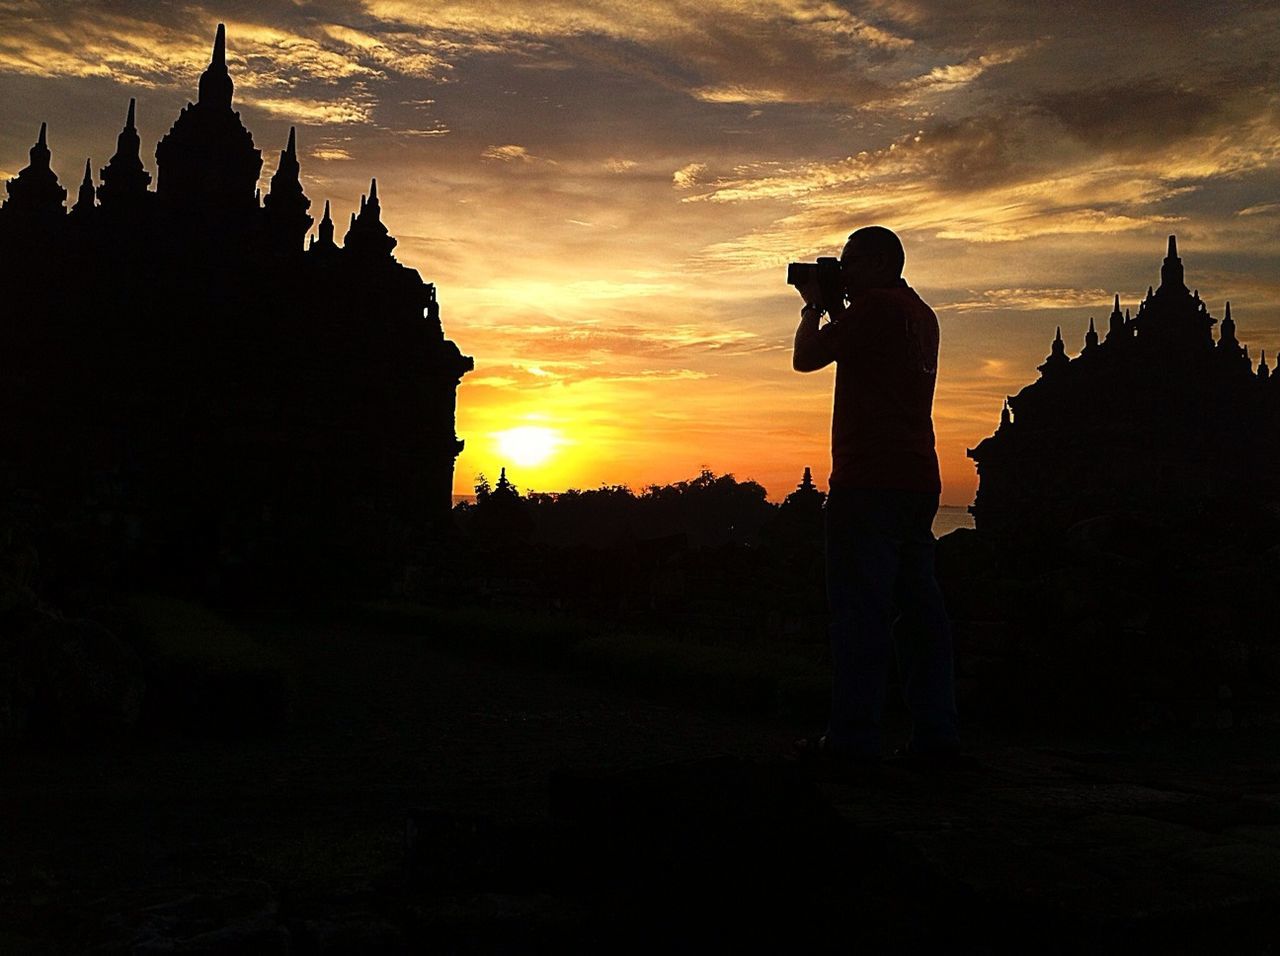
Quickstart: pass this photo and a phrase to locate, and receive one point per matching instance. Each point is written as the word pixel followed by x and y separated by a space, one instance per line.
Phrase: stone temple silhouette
pixel 189 389
pixel 1157 417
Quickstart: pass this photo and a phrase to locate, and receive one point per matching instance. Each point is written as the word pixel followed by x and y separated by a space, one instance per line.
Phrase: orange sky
pixel 607 193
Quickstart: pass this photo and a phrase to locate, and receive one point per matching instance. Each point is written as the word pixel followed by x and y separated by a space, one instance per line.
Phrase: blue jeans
pixel 883 593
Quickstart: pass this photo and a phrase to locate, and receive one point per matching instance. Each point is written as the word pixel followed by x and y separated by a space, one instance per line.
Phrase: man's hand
pixel 811 292
pixel 813 348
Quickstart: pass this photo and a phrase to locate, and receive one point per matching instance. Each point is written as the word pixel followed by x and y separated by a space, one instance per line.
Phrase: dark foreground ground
pixel 429 799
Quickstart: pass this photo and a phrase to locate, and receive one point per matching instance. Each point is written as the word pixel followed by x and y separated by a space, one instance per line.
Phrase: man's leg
pixel 862 558
pixel 923 637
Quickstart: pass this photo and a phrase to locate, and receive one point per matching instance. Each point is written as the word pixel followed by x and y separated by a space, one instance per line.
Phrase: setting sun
pixel 528 445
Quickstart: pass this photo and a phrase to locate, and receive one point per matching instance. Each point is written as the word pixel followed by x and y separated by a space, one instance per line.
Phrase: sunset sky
pixel 607 193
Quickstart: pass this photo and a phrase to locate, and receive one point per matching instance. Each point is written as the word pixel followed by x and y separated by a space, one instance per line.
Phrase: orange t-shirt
pixel 886 349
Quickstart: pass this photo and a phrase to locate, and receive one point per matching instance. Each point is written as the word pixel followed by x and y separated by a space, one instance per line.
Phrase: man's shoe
pixel 944 759
pixel 835 763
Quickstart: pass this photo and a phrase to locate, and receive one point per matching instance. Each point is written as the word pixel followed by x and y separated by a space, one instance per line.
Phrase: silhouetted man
pixel 883 497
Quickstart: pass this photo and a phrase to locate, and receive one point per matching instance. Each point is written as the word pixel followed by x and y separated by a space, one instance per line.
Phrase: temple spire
pixel 1057 354
pixel 1227 342
pixel 326 225
pixel 124 181
pixel 324 246
pixel 34 194
pixel 215 82
pixel 1171 276
pixel 1091 337
pixel 368 236
pixel 375 208
pixel 84 200
pixel 39 154
pixel 286 204
pixel 1117 321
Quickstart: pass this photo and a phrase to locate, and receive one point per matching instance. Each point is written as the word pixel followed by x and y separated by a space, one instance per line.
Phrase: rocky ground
pixel 423 798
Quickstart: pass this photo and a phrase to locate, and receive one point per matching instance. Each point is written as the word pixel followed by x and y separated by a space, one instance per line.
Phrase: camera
pixel 826 272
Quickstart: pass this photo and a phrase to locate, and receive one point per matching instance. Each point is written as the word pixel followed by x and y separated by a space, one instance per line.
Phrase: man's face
pixel 860 269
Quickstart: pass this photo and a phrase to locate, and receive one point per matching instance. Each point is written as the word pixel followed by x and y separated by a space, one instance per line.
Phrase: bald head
pixel 872 257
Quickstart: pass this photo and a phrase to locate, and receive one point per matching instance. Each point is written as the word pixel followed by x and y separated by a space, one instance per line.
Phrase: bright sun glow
pixel 528 445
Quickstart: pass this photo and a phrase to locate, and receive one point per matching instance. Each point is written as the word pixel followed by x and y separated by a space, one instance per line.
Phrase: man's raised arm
pixel 814 348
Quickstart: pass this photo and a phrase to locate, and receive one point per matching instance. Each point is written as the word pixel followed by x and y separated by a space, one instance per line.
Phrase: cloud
pixel 1136 118
pixel 722 51
pixel 507 154
pixel 405 53
pixel 577 374
pixel 342 111
pixel 515 154
pixel 328 151
pixel 952 77
pixel 740 94
pixel 164 47
pixel 88 43
pixel 439 129
pixel 1029 300
pixel 686 177
pixel 989 178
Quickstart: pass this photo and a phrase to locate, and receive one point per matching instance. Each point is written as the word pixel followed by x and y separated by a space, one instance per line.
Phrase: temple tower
pixel 286 204
pixel 208 165
pixel 1117 327
pixel 1153 426
pixel 324 246
pixel 1091 337
pixel 1171 317
pixel 1228 345
pixel 85 206
pixel 1171 275
pixel 124 180
pixel 368 237
pixel 1057 359
pixel 35 197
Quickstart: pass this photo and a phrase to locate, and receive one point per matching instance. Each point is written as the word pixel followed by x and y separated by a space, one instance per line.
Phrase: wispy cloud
pixel 686 177
pixel 509 154
pixel 1025 300
pixel 1261 209
pixel 328 151
pixel 342 111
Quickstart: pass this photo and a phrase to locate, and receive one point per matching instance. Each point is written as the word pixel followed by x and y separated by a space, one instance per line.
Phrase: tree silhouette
pixel 500 515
